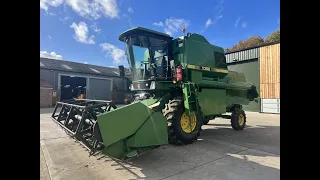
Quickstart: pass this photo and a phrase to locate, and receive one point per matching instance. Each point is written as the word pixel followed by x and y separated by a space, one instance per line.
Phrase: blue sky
pixel 87 31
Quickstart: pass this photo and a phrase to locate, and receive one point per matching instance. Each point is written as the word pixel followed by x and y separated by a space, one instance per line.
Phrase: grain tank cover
pixel 195 52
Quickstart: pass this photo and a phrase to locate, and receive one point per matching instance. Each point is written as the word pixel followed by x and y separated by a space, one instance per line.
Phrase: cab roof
pixel 143 31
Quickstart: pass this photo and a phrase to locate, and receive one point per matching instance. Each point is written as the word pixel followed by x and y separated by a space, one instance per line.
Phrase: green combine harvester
pixel 179 84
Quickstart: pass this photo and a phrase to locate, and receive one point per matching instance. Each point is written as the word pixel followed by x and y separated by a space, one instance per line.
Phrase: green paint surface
pixel 148 102
pixel 117 150
pixel 196 50
pixel 130 128
pixel 122 122
pixel 212 101
pixel 153 132
pixel 251 70
pixel 190 98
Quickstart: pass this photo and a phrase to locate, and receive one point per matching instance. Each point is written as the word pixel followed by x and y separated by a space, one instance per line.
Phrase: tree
pixel 255 41
pixel 252 41
pixel 273 37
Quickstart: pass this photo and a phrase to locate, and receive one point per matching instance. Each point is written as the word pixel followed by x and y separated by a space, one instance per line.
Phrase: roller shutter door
pixel 99 89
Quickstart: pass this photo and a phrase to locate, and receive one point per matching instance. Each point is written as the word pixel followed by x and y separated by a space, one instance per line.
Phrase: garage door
pixel 270 106
pixel 99 89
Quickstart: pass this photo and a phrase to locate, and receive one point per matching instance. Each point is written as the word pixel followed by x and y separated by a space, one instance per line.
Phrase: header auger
pixel 179 84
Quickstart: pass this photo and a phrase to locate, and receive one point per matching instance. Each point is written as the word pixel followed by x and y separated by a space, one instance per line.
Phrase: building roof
pixel 68 66
pixel 258 46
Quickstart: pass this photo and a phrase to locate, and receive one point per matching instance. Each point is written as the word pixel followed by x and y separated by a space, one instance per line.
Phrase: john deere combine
pixel 180 84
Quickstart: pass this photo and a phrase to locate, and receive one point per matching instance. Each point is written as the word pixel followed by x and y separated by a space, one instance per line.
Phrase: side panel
pixel 99 89
pixel 212 101
pixel 252 73
pixel 237 97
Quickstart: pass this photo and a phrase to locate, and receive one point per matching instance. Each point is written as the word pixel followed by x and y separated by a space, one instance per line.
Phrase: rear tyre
pixel 238 119
pixel 183 129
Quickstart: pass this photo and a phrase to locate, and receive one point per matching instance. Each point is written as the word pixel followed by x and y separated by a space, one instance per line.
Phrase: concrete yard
pixel 220 154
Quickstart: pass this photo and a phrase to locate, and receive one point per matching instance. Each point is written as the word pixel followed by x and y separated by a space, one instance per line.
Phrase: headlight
pixel 153 85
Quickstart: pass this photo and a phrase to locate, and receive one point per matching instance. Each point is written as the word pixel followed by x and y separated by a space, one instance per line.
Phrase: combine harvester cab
pixel 119 132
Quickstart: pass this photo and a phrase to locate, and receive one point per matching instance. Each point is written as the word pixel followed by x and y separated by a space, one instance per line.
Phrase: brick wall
pixel 45 97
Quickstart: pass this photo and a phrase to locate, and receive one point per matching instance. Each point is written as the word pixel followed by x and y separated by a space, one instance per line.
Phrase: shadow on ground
pixel 221 153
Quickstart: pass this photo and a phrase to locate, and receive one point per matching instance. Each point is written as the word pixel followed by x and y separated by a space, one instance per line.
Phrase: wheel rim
pixel 241 119
pixel 188 123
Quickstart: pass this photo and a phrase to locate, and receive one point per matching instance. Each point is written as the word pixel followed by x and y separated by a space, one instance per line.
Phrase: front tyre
pixel 184 129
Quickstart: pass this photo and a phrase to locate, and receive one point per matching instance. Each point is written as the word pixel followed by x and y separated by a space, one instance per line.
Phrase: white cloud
pixel 173 25
pixel 217 14
pixel 65 19
pixel 44 4
pixel 129 19
pixel 95 9
pixel 130 10
pixel 244 25
pixel 49 37
pixel 51 55
pixel 160 24
pixel 208 23
pixel 116 53
pixel 85 62
pixel 88 9
pixel 96 28
pixel 82 33
pixel 237 22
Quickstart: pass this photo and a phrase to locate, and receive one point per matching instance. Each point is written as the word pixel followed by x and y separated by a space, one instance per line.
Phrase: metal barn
pixel 71 79
pixel 261 65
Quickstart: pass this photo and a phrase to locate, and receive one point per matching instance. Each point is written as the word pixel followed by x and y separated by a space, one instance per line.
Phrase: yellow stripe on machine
pixel 207 68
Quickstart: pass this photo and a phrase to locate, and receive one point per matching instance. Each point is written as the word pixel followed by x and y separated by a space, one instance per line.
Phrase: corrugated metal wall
pixel 243 55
